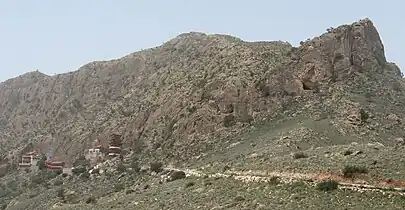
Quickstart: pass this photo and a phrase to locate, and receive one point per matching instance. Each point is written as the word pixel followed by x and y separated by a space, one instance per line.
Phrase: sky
pixel 61 36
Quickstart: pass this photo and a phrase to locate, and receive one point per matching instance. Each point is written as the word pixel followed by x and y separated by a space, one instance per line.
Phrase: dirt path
pixel 311 178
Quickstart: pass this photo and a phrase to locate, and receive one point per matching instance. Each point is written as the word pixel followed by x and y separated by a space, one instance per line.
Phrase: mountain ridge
pixel 201 105
pixel 261 79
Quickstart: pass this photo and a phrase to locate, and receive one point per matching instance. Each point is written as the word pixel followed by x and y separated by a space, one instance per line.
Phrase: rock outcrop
pixel 195 91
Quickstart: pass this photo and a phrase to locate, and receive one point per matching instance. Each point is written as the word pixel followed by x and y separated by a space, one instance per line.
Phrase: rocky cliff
pixel 196 91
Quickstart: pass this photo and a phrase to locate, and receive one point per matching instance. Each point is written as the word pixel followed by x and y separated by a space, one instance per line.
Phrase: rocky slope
pixel 213 103
pixel 196 91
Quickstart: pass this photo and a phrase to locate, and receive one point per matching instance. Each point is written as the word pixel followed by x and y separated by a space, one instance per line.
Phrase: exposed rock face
pixel 191 93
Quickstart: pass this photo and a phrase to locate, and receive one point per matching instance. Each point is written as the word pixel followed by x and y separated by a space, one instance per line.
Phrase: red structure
pixel 114 149
pixel 54 165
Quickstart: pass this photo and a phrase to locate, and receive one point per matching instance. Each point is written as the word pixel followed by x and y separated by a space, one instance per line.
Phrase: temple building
pixel 95 154
pixel 54 163
pixel 29 159
pixel 115 144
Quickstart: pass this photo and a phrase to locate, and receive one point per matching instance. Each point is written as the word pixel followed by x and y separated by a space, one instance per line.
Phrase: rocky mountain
pixel 197 91
pixel 220 105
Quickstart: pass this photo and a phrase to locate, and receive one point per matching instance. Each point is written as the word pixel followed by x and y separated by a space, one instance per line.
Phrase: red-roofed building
pixel 29 159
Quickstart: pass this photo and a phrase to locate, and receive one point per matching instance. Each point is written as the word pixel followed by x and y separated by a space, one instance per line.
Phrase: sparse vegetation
pixel 85 175
pixel 58 182
pixel 119 187
pixel 156 167
pixel 121 168
pixel 61 193
pixel 41 163
pixel 78 170
pixel 91 199
pixel 299 155
pixel 351 170
pixel 328 185
pixel 363 116
pixel 225 108
pixel 275 180
pixel 347 152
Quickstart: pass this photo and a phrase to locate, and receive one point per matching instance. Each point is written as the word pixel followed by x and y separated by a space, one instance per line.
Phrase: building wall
pixel 67 171
pixel 93 156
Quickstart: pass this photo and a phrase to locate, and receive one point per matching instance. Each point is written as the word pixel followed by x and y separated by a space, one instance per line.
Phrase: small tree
pixel 61 193
pixel 41 163
pixel 363 115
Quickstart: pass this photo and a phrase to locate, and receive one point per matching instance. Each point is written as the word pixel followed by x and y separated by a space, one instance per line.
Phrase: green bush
pixel 78 170
pixel 118 187
pixel 41 163
pixel 121 168
pixel 350 170
pixel 328 185
pixel 156 167
pixel 363 115
pixel 60 193
pixel 58 182
pixel 134 165
pixel 37 179
pixel 52 174
pixel 81 162
pixel 85 175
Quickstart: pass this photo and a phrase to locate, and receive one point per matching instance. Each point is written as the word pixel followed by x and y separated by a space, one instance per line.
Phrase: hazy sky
pixel 61 36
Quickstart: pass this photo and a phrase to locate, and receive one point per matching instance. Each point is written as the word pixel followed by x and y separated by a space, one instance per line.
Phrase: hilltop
pixel 218 102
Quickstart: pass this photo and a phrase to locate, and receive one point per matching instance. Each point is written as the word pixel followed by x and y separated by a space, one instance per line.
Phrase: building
pixel 95 154
pixel 67 171
pixel 29 159
pixel 54 164
pixel 115 144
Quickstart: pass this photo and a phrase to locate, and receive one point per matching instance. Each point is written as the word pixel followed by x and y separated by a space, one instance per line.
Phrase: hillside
pixel 216 101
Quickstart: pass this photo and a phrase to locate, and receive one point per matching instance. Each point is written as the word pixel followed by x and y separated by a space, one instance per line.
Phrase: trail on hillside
pixel 311 178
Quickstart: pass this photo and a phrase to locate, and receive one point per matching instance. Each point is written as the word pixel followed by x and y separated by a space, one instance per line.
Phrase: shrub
pixel 347 152
pixel 121 168
pixel 85 175
pixel 134 165
pixel 156 167
pixel 350 171
pixel 299 155
pixel 328 185
pixel 3 206
pixel 41 163
pixel 37 179
pixel 52 174
pixel 58 182
pixel 363 115
pixel 274 180
pixel 78 170
pixel 118 187
pixel 189 184
pixel 61 193
pixel 91 199
pixel 229 120
pixel 81 162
